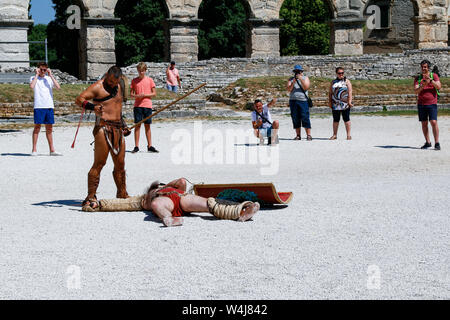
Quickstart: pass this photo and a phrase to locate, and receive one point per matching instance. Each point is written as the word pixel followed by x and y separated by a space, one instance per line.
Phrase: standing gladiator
pixel 107 96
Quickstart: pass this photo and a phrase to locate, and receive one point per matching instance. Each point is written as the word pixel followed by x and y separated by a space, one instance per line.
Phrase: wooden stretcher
pixel 264 191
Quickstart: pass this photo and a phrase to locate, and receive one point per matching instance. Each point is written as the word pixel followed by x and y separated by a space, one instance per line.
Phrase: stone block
pixel 341 36
pixel 184 57
pixel 183 31
pixel 191 47
pixel 348 49
pixel 183 39
pixel 102 57
pixel 426 33
pixel 441 32
pixel 14 9
pixel 355 36
pixel 266 31
pixel 97 70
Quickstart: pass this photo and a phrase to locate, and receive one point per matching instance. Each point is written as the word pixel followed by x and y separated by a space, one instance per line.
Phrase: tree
pixel 223 29
pixel 304 29
pixel 37 50
pixel 140 34
pixel 63 40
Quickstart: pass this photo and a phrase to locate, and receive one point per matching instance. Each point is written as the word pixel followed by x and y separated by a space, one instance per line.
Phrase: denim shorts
pixel 172 88
pixel 427 112
pixel 300 114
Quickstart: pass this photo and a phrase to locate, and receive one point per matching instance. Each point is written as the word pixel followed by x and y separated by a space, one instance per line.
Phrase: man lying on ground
pixel 170 203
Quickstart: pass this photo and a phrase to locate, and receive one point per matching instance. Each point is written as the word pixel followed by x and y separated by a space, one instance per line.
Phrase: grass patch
pixel 320 86
pixel 14 93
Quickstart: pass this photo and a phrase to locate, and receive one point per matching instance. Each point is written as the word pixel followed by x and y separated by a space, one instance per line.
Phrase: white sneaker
pixel 54 153
pixel 34 154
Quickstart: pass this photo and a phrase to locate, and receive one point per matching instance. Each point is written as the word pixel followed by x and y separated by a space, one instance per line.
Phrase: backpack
pixel 431 76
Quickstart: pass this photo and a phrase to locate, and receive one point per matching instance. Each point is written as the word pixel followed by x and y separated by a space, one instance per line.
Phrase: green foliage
pixel 63 40
pixel 140 34
pixel 37 50
pixel 223 29
pixel 304 29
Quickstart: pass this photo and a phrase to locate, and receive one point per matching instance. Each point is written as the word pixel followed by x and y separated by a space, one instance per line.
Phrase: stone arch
pixel 207 18
pixel 396 30
pixel 430 24
pixel 329 5
pixel 147 28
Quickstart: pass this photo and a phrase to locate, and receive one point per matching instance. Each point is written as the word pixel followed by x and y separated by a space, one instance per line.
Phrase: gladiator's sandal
pixel 120 180
pixel 229 210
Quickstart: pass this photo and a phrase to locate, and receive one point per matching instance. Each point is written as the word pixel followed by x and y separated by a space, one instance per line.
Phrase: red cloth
pixel 177 211
pixel 428 95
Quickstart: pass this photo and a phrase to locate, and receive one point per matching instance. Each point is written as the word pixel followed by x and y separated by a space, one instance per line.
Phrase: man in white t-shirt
pixel 262 122
pixel 43 85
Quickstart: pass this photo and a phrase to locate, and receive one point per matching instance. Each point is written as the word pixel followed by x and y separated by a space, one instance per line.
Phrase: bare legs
pixel 48 133
pixel 426 133
pixel 348 128
pixel 148 134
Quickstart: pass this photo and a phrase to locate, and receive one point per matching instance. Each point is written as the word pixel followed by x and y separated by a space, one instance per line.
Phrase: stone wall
pixel 218 73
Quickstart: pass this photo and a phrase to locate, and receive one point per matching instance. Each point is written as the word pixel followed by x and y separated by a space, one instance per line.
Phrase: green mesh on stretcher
pixel 238 196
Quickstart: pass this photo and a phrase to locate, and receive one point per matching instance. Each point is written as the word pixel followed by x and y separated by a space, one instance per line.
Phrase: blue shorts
pixel 44 116
pixel 141 113
pixel 266 132
pixel 427 112
pixel 172 88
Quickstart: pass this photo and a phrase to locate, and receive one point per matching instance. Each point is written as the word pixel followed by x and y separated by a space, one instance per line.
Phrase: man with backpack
pixel 262 122
pixel 427 86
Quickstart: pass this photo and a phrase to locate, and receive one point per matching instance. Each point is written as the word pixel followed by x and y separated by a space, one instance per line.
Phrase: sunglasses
pixel 340 73
pixel 43 70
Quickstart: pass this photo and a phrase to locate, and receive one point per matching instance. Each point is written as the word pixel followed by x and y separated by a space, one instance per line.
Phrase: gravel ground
pixel 369 218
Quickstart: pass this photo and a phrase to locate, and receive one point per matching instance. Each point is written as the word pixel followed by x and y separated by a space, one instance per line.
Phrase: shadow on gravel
pixel 397 147
pixel 270 207
pixel 60 203
pixel 16 155
pixel 9 131
pixel 246 145
pixel 303 138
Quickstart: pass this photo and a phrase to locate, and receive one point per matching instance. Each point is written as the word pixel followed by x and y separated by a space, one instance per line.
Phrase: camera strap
pixel 262 117
pixel 301 88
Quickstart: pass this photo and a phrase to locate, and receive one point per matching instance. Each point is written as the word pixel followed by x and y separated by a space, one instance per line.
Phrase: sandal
pixel 349 138
pixel 333 137
pixel 90 204
pixel 309 138
pixel 297 138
